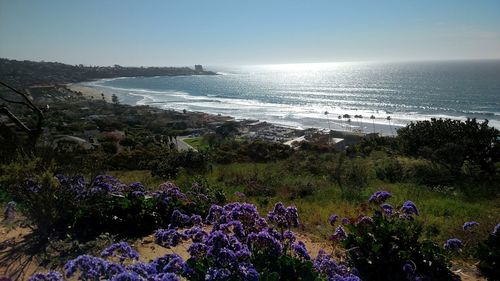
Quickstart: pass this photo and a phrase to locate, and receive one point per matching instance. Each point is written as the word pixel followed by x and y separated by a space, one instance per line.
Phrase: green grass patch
pixel 197 143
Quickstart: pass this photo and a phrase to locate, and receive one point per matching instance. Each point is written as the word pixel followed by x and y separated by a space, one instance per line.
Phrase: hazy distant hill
pixel 28 73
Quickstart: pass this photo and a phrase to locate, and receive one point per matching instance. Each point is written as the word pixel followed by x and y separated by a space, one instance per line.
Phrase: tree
pixel 452 142
pixel 114 99
pixel 33 133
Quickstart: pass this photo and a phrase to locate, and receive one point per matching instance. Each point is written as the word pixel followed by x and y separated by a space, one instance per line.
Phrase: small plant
pixel 69 205
pixel 387 244
pixel 488 254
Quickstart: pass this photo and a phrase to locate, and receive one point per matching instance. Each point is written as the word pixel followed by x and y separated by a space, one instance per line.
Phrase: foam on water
pixel 296 95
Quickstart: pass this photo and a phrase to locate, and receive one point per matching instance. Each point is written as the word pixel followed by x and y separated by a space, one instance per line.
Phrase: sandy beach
pixel 89 92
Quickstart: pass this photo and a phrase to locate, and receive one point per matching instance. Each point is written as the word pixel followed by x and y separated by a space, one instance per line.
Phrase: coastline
pixel 342 127
pixel 88 92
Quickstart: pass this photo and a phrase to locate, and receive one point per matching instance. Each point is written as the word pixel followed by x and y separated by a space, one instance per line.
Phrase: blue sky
pixel 184 32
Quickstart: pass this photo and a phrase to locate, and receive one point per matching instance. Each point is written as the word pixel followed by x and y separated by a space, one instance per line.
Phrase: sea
pixel 349 96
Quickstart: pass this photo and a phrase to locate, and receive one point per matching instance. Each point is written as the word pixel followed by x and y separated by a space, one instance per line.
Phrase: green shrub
pixel 389 169
pixel 451 142
pixel 353 178
pixel 191 161
pixel 427 173
pixel 388 245
pixel 69 205
pixel 488 254
pixel 299 189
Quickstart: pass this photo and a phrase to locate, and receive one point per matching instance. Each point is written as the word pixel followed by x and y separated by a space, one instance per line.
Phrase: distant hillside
pixel 27 73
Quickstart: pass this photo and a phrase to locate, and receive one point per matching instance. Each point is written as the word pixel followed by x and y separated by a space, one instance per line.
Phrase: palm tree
pixel 390 127
pixel 348 117
pixel 373 122
pixel 326 114
pixel 340 118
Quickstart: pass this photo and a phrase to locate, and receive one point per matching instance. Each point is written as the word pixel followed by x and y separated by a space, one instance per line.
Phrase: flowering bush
pixel 241 245
pixel 488 253
pixel 70 204
pixel 387 244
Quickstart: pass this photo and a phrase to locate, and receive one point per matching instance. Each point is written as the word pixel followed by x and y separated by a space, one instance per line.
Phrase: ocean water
pixel 299 95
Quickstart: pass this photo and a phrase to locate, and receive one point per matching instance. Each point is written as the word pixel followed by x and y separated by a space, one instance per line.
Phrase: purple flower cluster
pixel 327 266
pixel 453 244
pixel 102 185
pixel 50 276
pixel 379 197
pixel 409 208
pixel 85 267
pixel 300 250
pixel 238 237
pixel 332 219
pixel 469 225
pixel 496 230
pixel 10 211
pixel 169 237
pixel 284 217
pixel 120 250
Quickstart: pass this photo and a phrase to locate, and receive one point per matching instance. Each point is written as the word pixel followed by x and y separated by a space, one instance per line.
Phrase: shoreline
pixel 88 92
pixel 342 127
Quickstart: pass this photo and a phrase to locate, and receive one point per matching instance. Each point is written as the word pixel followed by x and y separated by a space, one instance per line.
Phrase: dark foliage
pixel 488 254
pixel 388 245
pixel 451 142
pixel 52 72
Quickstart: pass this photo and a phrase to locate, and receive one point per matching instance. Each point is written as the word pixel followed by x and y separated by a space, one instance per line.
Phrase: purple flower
pixel 217 239
pixel 121 250
pixel 214 213
pixel 142 269
pixel 166 277
pixel 138 193
pixel 197 250
pixel 339 234
pixel 169 263
pixel 170 190
pixel 332 219
pixel 136 186
pixel 470 224
pixel 168 237
pixel 300 250
pixel 326 266
pixel 91 268
pixel 345 221
pixel 496 230
pixel 126 276
pixel 214 274
pixel 246 272
pixel 365 220
pixel 289 235
pixel 379 197
pixel 196 234
pixel 50 276
pixel 409 208
pixel 293 216
pixel 284 217
pixel 409 270
pixel 264 243
pixel 179 219
pixel 10 211
pixel 196 220
pixel 453 244
pixel 388 209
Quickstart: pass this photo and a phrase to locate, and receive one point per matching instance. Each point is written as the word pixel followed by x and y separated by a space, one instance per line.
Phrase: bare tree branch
pixel 33 133
pixel 5 111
